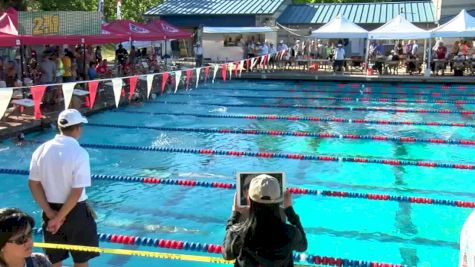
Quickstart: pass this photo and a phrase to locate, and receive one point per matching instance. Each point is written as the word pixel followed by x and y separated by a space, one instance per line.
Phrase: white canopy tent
pixel 339 27
pixel 398 28
pixel 237 29
pixel 462 25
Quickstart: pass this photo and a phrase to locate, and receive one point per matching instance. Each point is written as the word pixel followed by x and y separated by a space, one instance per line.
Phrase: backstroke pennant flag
pixel 188 75
pixel 206 73
pixel 177 79
pixel 132 85
pixel 236 68
pixel 149 84
pixel 241 66
pixel 223 72
pixel 165 76
pixel 248 64
pixel 230 68
pixel 198 72
pixel 117 88
pixel 253 60
pixel 37 92
pixel 68 90
pixel 5 97
pixel 215 71
pixel 92 92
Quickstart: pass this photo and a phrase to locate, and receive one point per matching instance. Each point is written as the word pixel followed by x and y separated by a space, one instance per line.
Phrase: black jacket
pixel 236 248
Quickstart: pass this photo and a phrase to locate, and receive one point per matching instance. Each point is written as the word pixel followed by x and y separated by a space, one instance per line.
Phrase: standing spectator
pixel 80 61
pixel 11 74
pixel 441 54
pixel 415 48
pixel 121 58
pixel 399 48
pixel 59 66
pixel 133 56
pixel 16 240
pixel 339 58
pixel 261 237
pixel 98 54
pixel 198 50
pixel 408 47
pixel 48 70
pixel 67 65
pixel 59 174
pixel 467 243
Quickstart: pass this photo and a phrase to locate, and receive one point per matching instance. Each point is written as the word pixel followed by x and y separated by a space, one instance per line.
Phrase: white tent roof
pixel 398 28
pixel 237 29
pixel 340 27
pixel 462 25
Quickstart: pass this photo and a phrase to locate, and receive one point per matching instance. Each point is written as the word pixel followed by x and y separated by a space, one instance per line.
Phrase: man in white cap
pixel 59 174
pixel 198 54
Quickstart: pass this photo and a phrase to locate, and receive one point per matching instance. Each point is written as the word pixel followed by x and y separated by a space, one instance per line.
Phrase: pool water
pixel 358 229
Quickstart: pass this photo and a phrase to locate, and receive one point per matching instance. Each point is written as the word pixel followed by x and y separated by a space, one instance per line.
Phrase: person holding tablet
pixel 257 235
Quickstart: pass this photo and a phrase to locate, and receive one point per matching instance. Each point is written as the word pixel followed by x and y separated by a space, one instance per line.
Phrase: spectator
pixel 339 58
pixel 11 74
pixel 16 242
pixel 459 64
pixel 67 65
pixel 415 48
pixel 408 47
pixel 441 54
pixel 98 54
pixel 467 243
pixel 103 70
pixel 262 238
pixel 121 57
pixel 399 48
pixel 57 58
pixel 59 174
pixel 91 71
pixel 133 56
pixel 198 50
pixel 48 70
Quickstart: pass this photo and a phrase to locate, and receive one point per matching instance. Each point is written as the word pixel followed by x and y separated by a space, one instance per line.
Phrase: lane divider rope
pixel 296 134
pixel 293 190
pixel 303 118
pixel 343 99
pixel 193 246
pixel 397 110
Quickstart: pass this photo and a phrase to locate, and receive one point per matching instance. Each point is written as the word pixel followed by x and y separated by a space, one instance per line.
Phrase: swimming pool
pixel 352 228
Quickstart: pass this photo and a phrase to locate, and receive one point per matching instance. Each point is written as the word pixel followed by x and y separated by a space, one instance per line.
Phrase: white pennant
pixel 241 66
pixel 68 90
pixel 231 68
pixel 117 87
pixel 215 71
pixel 5 97
pixel 198 72
pixel 177 79
pixel 149 84
pixel 252 62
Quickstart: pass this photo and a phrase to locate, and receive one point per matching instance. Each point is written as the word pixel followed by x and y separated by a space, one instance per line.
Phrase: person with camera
pixel 258 235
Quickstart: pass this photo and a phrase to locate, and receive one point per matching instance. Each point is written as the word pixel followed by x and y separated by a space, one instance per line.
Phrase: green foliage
pixel 131 9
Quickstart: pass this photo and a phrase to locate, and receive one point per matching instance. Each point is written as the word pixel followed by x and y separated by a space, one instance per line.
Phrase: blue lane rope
pixel 301 118
pixel 296 134
pixel 293 190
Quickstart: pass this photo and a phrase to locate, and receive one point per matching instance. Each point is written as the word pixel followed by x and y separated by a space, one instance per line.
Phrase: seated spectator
pixel 459 64
pixel 467 243
pixel 258 235
pixel 16 243
pixel 91 71
pixel 103 69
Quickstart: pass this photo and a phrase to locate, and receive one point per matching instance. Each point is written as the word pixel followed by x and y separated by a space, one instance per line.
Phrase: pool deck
pixel 15 124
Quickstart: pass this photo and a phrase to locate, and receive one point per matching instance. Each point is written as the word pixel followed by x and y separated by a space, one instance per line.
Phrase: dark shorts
pixel 79 228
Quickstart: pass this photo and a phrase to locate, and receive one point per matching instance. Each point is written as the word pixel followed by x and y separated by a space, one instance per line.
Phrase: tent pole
pixel 84 61
pixel 429 57
pixel 21 63
pixel 366 60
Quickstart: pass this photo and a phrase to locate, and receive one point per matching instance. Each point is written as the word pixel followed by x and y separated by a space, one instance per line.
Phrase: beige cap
pixel 265 189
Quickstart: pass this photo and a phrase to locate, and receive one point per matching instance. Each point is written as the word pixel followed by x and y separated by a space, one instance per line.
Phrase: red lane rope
pixel 362 109
pixel 296 134
pixel 303 118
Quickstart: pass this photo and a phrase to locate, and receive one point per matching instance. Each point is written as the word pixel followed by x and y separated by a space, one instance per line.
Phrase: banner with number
pixel 59 23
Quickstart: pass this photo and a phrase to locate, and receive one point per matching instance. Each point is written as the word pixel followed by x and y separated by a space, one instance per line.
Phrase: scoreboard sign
pixel 59 23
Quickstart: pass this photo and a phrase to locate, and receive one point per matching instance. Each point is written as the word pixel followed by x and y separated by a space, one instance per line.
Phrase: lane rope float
pixel 293 190
pixel 343 99
pixel 303 118
pixel 378 109
pixel 296 134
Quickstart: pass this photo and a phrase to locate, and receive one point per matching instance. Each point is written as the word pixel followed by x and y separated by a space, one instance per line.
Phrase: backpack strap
pixel 29 262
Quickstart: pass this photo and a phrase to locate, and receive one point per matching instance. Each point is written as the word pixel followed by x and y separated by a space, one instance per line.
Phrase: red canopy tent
pixel 136 31
pixel 170 31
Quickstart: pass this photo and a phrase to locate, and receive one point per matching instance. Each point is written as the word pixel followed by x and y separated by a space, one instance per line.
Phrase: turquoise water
pixel 412 234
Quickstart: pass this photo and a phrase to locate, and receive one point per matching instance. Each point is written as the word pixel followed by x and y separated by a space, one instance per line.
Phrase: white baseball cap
pixel 265 189
pixel 70 117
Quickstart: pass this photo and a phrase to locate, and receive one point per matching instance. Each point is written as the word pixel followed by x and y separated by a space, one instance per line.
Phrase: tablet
pixel 243 181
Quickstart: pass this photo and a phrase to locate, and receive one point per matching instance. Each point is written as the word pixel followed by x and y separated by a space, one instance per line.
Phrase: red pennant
pixel 164 80
pixel 188 74
pixel 236 68
pixel 206 73
pixel 92 92
pixel 248 64
pixel 132 84
pixel 122 93
pixel 37 93
pixel 266 59
pixel 223 72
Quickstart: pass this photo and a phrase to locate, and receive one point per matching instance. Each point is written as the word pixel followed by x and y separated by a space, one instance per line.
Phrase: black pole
pixel 84 60
pixel 21 64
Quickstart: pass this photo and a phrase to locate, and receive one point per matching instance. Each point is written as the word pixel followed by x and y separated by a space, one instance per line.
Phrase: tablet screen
pixel 243 181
